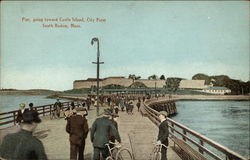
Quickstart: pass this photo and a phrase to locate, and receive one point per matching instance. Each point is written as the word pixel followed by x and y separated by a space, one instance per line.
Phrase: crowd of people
pixel 22 145
pixel 123 103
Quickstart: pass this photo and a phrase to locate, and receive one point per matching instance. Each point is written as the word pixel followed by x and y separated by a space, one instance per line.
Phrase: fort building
pixel 122 81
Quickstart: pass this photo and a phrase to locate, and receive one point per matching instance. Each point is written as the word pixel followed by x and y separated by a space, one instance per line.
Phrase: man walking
pixel 138 105
pixel 163 134
pixel 122 103
pixel 88 102
pixel 77 127
pixel 57 108
pixel 100 133
pixel 22 145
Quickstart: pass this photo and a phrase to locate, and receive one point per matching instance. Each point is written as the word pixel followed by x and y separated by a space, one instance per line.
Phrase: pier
pixel 137 131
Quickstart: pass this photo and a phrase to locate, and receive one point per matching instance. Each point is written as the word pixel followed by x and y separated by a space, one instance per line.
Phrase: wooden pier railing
pixel 193 143
pixel 9 118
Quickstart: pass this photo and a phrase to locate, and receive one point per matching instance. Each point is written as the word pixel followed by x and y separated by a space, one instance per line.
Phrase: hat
pixel 22 105
pixel 164 113
pixel 80 109
pixel 107 112
pixel 114 115
pixel 31 116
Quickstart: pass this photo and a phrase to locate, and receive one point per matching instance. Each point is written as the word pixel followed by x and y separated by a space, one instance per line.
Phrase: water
pixel 11 102
pixel 226 122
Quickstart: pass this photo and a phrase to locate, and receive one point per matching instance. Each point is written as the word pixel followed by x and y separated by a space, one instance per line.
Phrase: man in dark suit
pixel 100 132
pixel 77 127
pixel 163 134
pixel 113 118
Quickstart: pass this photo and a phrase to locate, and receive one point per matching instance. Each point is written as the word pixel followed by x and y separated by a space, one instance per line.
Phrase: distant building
pixel 192 84
pixel 126 82
pixel 217 90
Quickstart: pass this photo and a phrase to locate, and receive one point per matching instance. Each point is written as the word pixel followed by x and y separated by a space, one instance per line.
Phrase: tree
pixel 201 76
pixel 153 77
pixel 137 85
pixel 138 77
pixel 134 77
pixel 172 83
pixel 113 86
pixel 236 86
pixel 162 77
pixel 219 80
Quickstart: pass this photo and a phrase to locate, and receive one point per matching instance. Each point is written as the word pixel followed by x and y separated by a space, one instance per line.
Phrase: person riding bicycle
pixel 163 134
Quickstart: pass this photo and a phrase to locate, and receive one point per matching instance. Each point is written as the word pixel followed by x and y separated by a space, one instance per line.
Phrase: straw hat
pixel 22 105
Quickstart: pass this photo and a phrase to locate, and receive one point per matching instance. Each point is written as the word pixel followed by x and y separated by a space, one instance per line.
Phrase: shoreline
pixel 189 97
pixel 212 97
pixel 174 96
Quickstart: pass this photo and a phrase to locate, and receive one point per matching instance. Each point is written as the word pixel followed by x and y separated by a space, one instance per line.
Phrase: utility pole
pixel 155 89
pixel 97 72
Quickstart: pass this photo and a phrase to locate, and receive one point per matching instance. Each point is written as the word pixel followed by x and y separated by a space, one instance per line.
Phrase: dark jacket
pixel 77 127
pixel 163 132
pixel 19 117
pixel 58 104
pixel 22 145
pixel 100 132
pixel 111 137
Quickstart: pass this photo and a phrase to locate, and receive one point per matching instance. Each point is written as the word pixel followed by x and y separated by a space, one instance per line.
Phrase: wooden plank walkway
pixel 137 133
pixel 142 133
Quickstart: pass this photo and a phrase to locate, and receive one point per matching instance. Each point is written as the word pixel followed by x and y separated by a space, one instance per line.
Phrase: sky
pixel 176 39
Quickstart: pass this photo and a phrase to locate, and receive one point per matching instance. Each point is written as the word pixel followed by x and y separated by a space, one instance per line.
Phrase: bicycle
pixel 156 153
pixel 118 152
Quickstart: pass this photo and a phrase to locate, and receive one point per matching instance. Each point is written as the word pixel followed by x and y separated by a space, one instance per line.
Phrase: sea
pixel 225 122
pixel 11 102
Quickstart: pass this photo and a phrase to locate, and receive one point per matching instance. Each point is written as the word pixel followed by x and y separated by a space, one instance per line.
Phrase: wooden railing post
pixel 50 107
pixel 202 144
pixel 43 110
pixel 14 117
pixel 185 133
pixel 172 130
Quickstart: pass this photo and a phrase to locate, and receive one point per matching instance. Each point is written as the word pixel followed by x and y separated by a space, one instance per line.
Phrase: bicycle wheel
pixel 124 154
pixel 152 155
pixel 114 153
pixel 157 156
pixel 109 158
